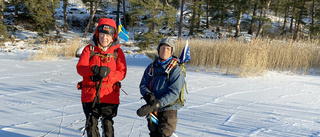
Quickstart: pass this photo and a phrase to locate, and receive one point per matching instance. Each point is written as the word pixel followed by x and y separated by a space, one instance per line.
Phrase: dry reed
pixel 254 57
pixel 55 50
pixel 46 52
pixel 70 48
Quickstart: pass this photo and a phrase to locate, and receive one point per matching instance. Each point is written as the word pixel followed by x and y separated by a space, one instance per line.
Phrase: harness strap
pixel 107 57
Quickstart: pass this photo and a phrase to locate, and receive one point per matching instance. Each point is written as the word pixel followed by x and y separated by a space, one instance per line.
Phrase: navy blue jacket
pixel 165 92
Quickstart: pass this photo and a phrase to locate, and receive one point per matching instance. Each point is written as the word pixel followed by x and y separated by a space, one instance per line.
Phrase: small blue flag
pixel 185 54
pixel 122 33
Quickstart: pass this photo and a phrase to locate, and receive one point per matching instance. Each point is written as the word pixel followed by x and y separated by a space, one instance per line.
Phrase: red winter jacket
pixel 109 92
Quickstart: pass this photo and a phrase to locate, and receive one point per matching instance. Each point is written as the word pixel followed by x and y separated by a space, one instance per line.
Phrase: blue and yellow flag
pixel 122 33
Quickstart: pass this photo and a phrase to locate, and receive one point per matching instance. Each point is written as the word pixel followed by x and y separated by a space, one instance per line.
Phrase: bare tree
pixel 16 10
pixel 118 13
pixel 91 19
pixel 181 18
pixel 238 23
pixel 265 14
pixel 207 13
pixel 193 17
pixel 124 14
pixel 296 33
pixel 65 16
pixel 1 10
pixel 313 13
pixel 254 15
pixel 292 16
pixel 286 11
pixel 54 19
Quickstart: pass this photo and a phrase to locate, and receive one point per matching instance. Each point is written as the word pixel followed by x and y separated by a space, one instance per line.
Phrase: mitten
pixel 95 70
pixel 104 71
pixel 148 108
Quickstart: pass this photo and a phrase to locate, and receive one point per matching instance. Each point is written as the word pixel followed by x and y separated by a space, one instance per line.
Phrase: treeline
pixel 41 14
pixel 296 18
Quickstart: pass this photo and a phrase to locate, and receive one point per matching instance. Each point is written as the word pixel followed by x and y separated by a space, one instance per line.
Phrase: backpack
pixel 174 63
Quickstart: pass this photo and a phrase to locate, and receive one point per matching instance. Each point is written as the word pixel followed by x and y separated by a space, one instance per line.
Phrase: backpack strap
pixel 151 73
pixel 91 51
pixel 173 63
pixel 115 53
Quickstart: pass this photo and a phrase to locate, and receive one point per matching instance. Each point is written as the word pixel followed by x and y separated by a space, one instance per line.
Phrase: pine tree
pixel 155 14
pixel 300 22
pixel 264 19
pixel 169 17
pixel 195 18
pixel 42 13
pixel 286 15
pixel 253 17
pixel 315 14
pixel 241 6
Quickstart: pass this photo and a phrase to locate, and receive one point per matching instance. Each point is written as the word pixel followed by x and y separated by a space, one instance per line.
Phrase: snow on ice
pixel 39 98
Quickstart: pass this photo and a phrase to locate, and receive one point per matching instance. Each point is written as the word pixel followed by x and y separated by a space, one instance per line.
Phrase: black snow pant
pixel 167 124
pixel 106 112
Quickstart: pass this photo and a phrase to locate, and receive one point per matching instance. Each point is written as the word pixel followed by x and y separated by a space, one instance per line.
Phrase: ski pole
pixel 94 103
pixel 124 92
pixel 155 120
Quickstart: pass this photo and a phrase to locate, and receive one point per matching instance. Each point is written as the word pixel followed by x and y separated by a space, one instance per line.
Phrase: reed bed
pixel 254 57
pixel 46 52
pixel 55 50
pixel 230 56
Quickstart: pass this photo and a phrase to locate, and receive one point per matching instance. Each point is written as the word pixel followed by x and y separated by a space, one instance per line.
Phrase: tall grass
pixel 228 56
pixel 254 57
pixel 55 50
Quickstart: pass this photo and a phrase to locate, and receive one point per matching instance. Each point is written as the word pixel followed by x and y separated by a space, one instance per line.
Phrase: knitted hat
pixel 106 29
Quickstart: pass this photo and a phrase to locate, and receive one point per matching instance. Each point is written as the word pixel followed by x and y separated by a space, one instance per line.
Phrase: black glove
pixel 148 108
pixel 94 78
pixel 104 71
pixel 149 97
pixel 95 70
